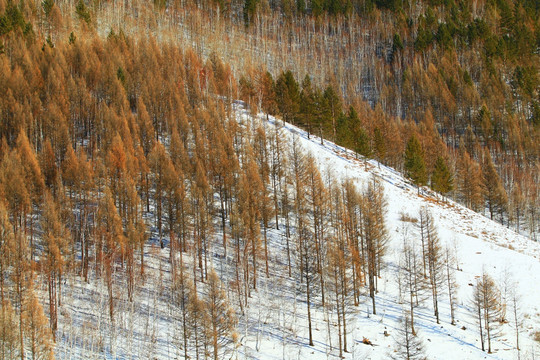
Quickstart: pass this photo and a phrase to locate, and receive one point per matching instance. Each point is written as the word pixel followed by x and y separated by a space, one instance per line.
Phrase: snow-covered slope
pixel 274 325
pixel 481 244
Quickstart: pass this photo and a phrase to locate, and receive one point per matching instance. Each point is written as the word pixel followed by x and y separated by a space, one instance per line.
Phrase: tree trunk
pixel 308 290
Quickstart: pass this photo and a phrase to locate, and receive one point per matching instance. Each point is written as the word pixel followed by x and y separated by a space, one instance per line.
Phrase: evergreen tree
pixel 494 193
pixel 82 12
pixel 250 7
pixel 380 148
pixel 360 141
pixel 288 96
pixel 415 167
pixel 308 104
pixel 332 109
pixel 442 180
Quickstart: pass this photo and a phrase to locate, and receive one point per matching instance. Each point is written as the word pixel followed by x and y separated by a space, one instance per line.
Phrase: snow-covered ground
pixel 481 244
pixel 274 325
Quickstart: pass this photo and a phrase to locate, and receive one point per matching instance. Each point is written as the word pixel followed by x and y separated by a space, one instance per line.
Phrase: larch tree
pixel 409 345
pixel 517 313
pixel 9 332
pixel 374 233
pixel 316 196
pixel 83 188
pixel 222 169
pixel 266 92
pixel 48 165
pixel 422 226
pixel 286 208
pixel 198 324
pixel 262 155
pixel 335 261
pixel 297 168
pixel 135 229
pixel 351 218
pixel 181 161
pixel 181 293
pixel 251 189
pixel 201 209
pixel 338 273
pixel 451 283
pixel 222 321
pixel 38 333
pixel 71 172
pixel 434 259
pixel 18 201
pixel 174 202
pixel 33 180
pixel 21 276
pixel 6 245
pixel 470 181
pixel 412 282
pixel 486 304
pixel 111 243
pixel 309 271
pixel 55 236
pixel 159 163
pixel 277 163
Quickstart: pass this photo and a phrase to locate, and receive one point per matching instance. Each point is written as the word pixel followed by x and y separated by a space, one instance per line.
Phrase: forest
pixel 126 171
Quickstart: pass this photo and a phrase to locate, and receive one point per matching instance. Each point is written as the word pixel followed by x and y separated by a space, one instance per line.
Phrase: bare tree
pixel 308 271
pixel 487 307
pixel 411 280
pixel 518 320
pixel 434 258
pixel 409 345
pixel 452 285
pixel 374 232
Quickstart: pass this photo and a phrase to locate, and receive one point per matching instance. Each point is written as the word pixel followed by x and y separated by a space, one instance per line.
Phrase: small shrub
pixel 407 218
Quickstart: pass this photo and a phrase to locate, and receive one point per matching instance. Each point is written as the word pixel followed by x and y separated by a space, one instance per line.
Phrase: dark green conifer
pixel 442 180
pixel 415 167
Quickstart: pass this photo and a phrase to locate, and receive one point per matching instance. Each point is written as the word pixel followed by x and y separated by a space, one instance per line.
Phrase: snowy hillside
pixel 274 326
pixel 480 243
